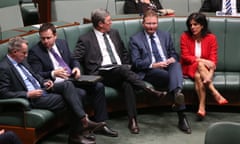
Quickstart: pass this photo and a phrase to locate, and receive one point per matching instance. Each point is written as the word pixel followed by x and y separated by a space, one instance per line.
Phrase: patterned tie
pixel 109 49
pixel 228 7
pixel 60 61
pixel 33 81
pixel 155 49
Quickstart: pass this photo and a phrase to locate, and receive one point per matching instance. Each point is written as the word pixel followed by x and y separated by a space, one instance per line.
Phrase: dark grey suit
pixel 89 54
pixel 215 5
pixel 40 61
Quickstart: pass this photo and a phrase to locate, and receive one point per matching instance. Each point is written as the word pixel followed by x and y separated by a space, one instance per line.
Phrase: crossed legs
pixel 203 80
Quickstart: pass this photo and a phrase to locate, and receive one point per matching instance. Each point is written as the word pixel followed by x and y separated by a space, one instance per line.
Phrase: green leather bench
pixel 32 123
pixel 29 11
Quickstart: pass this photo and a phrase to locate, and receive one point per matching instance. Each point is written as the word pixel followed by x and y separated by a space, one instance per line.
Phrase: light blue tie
pixel 29 77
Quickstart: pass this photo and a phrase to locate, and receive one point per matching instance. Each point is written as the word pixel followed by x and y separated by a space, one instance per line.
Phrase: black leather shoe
pixel 152 91
pixel 80 139
pixel 107 131
pixel 133 126
pixel 91 126
pixel 184 125
pixel 179 98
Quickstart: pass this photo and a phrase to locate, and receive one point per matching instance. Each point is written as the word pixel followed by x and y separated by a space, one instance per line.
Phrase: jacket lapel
pixel 16 73
pixel 163 43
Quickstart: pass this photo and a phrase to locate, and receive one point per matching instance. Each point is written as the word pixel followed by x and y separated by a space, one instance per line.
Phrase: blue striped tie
pixel 228 7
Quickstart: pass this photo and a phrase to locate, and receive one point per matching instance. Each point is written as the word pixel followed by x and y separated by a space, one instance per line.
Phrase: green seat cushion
pixel 35 118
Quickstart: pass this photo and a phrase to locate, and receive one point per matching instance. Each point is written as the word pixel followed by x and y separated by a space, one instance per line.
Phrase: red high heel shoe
pixel 201 115
pixel 221 100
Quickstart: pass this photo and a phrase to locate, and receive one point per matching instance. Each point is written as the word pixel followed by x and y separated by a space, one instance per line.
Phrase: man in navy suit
pixel 156 61
pixel 19 81
pixel 216 5
pixel 47 65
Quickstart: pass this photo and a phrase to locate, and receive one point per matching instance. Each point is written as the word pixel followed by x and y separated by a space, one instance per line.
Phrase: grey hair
pixel 98 15
pixel 16 43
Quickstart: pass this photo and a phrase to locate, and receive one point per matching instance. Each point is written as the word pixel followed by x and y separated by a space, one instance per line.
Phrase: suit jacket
pixel 133 7
pixel 141 53
pixel 11 82
pixel 215 5
pixel 88 51
pixel 188 59
pixel 40 60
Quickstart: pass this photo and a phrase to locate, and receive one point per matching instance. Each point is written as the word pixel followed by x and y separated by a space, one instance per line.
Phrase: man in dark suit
pixel 216 5
pixel 156 61
pixel 48 66
pixel 8 137
pixel 19 81
pixel 101 51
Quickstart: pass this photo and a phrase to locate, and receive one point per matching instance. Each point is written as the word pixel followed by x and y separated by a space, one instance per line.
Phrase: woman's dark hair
pixel 199 18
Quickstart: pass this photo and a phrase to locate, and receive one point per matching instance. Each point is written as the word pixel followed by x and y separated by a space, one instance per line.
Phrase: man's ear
pixel 100 24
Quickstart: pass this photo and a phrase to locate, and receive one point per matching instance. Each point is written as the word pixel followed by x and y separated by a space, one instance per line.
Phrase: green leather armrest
pixel 23 103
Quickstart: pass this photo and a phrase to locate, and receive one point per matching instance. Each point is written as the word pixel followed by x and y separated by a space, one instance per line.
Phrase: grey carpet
pixel 155 128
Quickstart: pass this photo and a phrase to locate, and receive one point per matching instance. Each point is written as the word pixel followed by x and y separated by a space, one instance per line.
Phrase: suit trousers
pixel 124 79
pixel 170 77
pixel 9 138
pixel 95 96
pixel 64 95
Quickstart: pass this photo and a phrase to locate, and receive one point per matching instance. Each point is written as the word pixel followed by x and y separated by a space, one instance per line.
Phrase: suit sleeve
pixel 6 86
pixel 213 49
pixel 80 51
pixel 140 59
pixel 171 52
pixel 123 52
pixel 37 65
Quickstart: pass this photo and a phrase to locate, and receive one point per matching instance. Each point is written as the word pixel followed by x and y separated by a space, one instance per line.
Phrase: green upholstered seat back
pixel 7 3
pixel 132 27
pixel 119 25
pixel 223 133
pixel 218 27
pixel 4 49
pixel 32 39
pixel 72 34
pixel 179 28
pixel 232 45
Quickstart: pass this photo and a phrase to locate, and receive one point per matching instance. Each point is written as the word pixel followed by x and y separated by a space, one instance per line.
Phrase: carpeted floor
pixel 157 127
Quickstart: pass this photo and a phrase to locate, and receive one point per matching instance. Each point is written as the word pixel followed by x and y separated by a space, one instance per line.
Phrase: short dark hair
pixel 46 26
pixel 199 18
pixel 98 15
pixel 150 13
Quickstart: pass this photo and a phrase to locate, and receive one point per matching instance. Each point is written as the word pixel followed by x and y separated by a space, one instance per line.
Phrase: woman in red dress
pixel 199 58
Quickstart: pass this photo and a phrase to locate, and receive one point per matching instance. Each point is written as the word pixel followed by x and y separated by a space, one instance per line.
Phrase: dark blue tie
pixel 60 60
pixel 29 77
pixel 155 49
